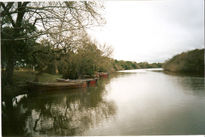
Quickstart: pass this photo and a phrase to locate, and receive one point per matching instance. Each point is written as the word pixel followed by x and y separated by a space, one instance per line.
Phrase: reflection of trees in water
pixel 58 114
pixel 192 85
pixel 12 117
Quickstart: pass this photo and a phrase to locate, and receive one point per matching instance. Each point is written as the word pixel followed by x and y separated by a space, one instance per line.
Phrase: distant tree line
pixel 186 62
pixel 126 65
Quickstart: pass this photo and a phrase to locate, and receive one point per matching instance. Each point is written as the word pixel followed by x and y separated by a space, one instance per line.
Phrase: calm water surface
pixel 134 102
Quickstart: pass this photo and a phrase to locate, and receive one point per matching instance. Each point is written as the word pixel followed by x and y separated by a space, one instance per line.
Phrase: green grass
pixel 45 77
pixel 23 76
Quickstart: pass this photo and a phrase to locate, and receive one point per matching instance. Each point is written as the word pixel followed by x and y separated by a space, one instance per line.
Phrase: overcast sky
pixel 152 31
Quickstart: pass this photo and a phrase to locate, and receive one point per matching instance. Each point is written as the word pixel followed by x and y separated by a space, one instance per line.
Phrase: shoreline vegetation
pixel 186 63
pixel 24 74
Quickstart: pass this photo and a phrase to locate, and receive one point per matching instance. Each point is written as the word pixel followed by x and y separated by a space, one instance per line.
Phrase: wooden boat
pixel 90 82
pixel 103 75
pixel 62 80
pixel 38 86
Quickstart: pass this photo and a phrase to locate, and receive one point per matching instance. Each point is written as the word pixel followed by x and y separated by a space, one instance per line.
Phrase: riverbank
pixel 23 80
pixel 20 79
pixel 22 76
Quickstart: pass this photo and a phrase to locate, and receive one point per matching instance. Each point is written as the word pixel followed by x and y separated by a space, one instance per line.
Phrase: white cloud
pixel 152 31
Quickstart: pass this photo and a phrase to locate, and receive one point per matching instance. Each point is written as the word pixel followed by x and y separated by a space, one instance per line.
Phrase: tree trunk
pixel 56 67
pixel 10 66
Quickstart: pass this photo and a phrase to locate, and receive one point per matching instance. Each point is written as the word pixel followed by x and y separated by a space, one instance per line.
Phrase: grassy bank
pixel 23 76
pixel 20 79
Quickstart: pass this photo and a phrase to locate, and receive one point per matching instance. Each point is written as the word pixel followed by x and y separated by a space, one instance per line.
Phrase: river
pixel 131 102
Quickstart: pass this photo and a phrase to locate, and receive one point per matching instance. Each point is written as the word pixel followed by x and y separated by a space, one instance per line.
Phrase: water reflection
pixel 57 114
pixel 153 103
pixel 13 117
pixel 138 102
pixel 192 85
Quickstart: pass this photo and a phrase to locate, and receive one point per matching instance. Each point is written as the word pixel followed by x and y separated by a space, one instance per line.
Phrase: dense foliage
pixel 187 62
pixel 83 61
